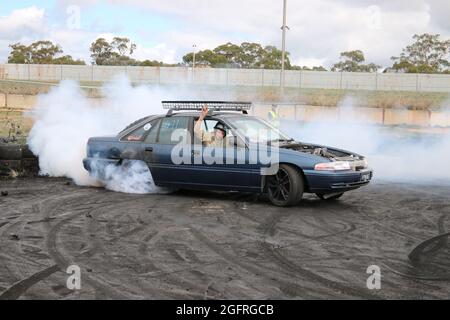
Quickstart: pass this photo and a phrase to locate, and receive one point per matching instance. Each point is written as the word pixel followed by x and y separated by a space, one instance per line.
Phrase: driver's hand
pixel 204 111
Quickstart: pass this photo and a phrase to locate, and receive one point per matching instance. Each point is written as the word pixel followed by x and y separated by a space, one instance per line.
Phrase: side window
pixel 138 134
pixel 208 125
pixel 168 126
pixel 234 141
pixel 231 139
pixel 153 134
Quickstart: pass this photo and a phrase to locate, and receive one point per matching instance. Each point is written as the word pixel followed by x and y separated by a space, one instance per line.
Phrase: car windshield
pixel 257 130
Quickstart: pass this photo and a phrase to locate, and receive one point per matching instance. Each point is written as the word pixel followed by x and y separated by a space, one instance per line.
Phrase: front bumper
pixel 331 182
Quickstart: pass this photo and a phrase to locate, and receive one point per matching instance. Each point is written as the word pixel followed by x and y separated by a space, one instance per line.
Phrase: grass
pixel 13 124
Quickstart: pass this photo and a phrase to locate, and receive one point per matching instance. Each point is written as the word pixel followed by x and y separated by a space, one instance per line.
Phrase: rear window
pixel 168 126
pixel 139 133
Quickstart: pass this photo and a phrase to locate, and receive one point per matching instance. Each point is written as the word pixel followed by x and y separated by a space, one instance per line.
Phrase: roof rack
pixel 240 106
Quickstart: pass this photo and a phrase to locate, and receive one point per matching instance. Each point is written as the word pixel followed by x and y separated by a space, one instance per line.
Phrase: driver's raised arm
pixel 198 124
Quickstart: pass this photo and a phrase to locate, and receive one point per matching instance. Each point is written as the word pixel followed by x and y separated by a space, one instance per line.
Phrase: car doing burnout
pixel 301 167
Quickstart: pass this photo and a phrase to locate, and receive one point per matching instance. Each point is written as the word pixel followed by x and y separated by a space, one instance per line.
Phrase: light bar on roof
pixel 212 105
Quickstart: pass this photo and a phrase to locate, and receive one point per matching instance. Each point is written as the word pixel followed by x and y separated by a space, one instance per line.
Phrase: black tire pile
pixel 17 160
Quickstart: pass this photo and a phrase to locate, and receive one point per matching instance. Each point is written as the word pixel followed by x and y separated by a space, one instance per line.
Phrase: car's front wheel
pixel 285 188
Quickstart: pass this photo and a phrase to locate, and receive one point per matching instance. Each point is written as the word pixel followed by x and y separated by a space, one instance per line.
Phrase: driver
pixel 208 139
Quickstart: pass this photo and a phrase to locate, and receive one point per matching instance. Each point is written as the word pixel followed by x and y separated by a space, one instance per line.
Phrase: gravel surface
pixel 201 245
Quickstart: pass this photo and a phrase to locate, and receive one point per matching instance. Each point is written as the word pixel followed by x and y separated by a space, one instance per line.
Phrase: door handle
pixel 149 149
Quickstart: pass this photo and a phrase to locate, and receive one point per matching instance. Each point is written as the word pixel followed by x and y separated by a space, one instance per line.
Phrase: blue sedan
pixel 252 155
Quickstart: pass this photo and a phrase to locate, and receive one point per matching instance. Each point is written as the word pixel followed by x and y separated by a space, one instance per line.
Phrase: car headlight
pixel 366 163
pixel 333 166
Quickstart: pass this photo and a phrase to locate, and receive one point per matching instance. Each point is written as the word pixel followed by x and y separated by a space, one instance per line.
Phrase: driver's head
pixel 219 131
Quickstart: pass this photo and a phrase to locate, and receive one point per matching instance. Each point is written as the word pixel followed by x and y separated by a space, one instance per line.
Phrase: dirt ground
pixel 198 245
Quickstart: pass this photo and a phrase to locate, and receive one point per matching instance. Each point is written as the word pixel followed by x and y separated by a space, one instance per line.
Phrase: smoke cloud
pixel 131 176
pixel 66 118
pixel 395 153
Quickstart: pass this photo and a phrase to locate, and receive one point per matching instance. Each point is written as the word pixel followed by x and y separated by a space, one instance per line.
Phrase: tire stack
pixel 30 163
pixel 16 159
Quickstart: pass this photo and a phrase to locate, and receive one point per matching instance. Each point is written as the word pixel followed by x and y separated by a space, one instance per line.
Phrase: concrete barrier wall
pixel 304 113
pixel 21 101
pixel 2 100
pixel 232 77
pixel 374 116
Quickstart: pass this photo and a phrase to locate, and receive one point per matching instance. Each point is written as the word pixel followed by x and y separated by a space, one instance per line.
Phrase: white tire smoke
pixel 65 118
pixel 395 153
pixel 129 176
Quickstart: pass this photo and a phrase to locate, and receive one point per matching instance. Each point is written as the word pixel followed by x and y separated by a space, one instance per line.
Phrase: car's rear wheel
pixel 285 188
pixel 332 196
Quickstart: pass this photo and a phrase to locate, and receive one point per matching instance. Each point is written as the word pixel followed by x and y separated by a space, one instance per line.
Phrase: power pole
pixel 283 46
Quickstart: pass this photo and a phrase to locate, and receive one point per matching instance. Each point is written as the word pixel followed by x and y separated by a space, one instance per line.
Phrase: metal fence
pixel 232 77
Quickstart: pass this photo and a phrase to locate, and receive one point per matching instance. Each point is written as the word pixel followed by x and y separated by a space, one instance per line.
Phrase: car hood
pixel 326 152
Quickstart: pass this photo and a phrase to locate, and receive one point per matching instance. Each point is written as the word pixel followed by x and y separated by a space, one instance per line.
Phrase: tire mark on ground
pixel 104 289
pixel 269 228
pixel 17 289
pixel 254 268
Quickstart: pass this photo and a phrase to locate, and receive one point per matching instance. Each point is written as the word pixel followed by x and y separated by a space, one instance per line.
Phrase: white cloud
pixel 319 30
pixel 160 52
pixel 21 25
pixel 32 24
pixel 22 22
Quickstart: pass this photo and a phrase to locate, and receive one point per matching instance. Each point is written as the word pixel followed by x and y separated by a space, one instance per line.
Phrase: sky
pixel 165 30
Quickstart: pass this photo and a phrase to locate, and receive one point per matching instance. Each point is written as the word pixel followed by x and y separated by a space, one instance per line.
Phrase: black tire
pixel 285 188
pixel 9 151
pixel 327 198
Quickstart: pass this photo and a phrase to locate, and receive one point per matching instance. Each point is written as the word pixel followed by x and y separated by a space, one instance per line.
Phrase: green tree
pixel 206 57
pixel 123 46
pixel 39 52
pixel 271 59
pixel 246 55
pixel 428 54
pixel 353 61
pixel 19 54
pixel 67 59
pixel 155 63
pixel 231 52
pixel 101 51
pixel 319 68
pixel 151 63
pixel 116 53
pixel 43 52
pixel 305 68
pixel 250 55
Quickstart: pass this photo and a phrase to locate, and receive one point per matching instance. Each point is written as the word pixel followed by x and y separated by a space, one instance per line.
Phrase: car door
pixel 234 170
pixel 131 144
pixel 158 147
